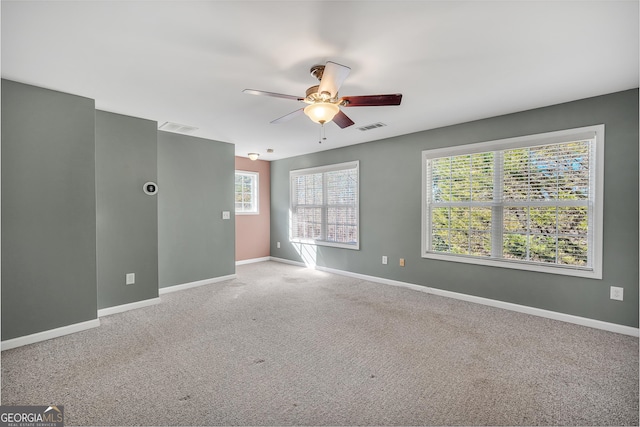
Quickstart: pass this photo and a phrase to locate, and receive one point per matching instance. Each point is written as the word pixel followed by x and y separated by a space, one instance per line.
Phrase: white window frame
pixel 324 169
pixel 594 133
pixel 255 189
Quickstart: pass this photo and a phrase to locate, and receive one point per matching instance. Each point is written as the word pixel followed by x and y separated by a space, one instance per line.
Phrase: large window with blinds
pixel 324 205
pixel 532 202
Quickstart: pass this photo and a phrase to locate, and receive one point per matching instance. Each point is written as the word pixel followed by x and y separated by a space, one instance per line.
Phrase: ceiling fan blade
pixel 342 120
pixel 273 94
pixel 372 100
pixel 288 117
pixel 332 78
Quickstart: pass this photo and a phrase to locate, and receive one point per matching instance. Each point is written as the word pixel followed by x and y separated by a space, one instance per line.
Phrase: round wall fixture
pixel 150 188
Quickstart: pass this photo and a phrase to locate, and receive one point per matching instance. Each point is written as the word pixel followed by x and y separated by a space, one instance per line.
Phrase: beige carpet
pixel 283 345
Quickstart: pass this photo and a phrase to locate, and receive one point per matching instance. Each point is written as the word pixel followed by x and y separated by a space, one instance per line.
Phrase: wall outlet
pixel 278 245
pixel 616 293
pixel 384 259
pixel 131 278
pixel 401 262
pixel 226 215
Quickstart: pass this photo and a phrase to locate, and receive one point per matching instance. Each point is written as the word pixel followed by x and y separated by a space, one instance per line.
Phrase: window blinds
pixel 324 205
pixel 525 204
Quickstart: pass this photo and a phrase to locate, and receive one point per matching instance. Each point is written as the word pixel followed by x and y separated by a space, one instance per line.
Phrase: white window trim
pixel 321 169
pixel 595 132
pixel 256 189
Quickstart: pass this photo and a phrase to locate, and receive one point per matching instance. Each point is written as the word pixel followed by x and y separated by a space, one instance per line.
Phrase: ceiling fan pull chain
pixel 322 134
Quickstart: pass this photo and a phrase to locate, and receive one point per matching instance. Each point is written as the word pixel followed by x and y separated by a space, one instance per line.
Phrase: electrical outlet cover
pixel 616 293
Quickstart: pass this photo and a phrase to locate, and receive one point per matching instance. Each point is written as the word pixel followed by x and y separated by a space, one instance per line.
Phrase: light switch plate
pixel 131 278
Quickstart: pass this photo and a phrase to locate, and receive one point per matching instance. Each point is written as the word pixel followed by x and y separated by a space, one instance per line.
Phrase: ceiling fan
pixel 324 104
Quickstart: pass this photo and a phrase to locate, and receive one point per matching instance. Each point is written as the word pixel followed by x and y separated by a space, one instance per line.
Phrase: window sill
pixel 518 265
pixel 355 247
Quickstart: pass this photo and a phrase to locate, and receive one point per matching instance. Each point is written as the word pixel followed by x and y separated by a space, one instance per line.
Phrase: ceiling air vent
pixel 175 127
pixel 372 126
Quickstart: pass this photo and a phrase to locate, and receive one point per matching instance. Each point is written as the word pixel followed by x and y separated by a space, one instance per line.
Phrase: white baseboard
pixel 592 323
pixel 195 284
pixel 252 260
pixel 47 335
pixel 126 307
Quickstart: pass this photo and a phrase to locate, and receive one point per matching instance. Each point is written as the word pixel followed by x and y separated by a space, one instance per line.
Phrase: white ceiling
pixel 188 61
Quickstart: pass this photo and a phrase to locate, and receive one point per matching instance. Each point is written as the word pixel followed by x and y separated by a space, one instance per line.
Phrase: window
pixel 246 193
pixel 532 203
pixel 324 205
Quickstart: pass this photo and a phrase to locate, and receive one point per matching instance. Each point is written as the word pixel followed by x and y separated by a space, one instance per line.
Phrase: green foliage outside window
pixel 540 196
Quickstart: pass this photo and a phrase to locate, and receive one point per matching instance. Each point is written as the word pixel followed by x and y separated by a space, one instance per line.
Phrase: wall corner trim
pixel 47 335
pixel 583 321
pixel 251 261
pixel 126 307
pixel 195 284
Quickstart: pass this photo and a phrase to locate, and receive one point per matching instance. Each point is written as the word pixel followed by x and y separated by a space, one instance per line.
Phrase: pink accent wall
pixel 253 236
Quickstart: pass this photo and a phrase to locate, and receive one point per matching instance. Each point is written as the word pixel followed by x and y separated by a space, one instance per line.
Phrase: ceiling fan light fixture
pixel 321 112
pixel 324 103
pixel 253 156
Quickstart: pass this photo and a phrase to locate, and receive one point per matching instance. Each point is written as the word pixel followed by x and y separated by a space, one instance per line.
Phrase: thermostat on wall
pixel 150 188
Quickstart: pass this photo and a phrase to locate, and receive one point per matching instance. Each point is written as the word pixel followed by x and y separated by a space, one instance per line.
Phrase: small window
pixel 324 205
pixel 246 193
pixel 531 203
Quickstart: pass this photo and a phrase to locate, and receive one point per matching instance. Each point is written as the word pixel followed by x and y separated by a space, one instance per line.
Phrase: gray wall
pixel 390 212
pixel 195 177
pixel 48 210
pixel 127 225
pixel 75 220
